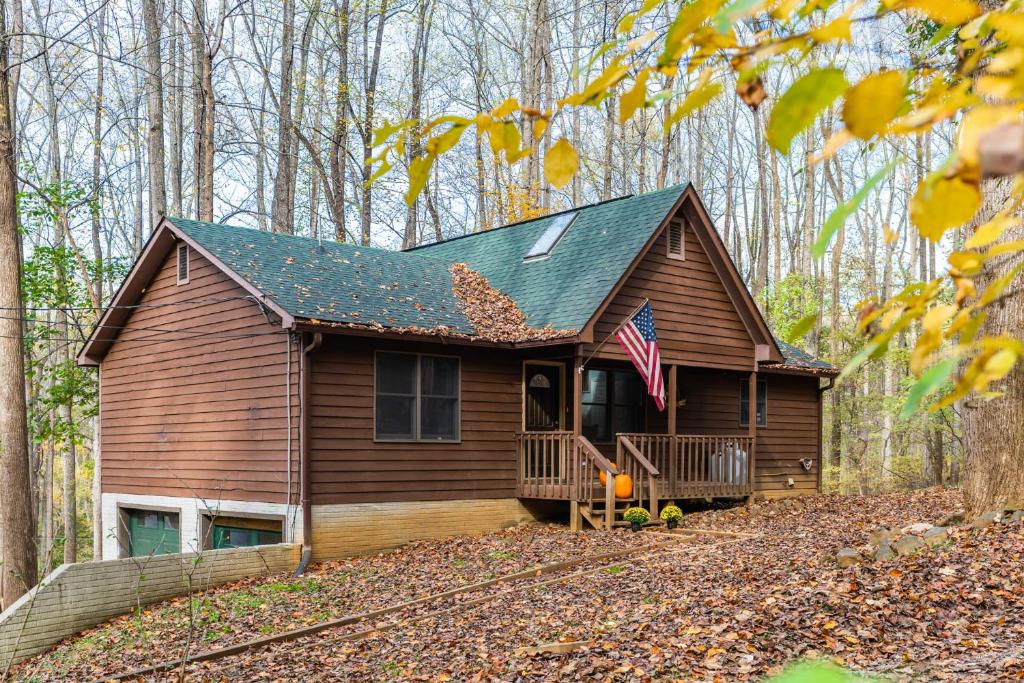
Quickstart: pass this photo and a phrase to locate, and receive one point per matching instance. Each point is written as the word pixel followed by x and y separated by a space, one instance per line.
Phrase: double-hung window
pixel 416 397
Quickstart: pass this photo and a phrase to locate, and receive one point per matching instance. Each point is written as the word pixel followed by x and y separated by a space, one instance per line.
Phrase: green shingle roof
pixel 566 288
pixel 336 282
pixel 343 283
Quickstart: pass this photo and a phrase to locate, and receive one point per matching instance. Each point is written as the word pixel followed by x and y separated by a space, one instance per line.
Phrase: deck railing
pixel 561 466
pixel 698 465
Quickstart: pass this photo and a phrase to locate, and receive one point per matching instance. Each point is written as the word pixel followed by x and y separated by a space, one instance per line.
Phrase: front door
pixel 544 398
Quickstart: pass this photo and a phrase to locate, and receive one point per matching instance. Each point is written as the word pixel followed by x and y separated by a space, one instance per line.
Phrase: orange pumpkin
pixel 623 486
pixel 602 477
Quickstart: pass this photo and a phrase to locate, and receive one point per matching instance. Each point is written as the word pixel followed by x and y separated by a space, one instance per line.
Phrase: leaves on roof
pixel 494 315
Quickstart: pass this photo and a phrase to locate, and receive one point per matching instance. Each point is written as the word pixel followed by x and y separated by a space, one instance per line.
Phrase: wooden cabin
pixel 257 387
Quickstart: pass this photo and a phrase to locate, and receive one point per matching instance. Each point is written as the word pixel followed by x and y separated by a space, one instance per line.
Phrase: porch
pixel 554 462
pixel 662 467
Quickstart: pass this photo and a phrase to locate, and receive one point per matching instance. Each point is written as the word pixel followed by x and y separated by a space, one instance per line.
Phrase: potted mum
pixel 671 515
pixel 637 517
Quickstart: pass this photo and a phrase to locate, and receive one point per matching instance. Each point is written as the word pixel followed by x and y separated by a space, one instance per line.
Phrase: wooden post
pixel 609 502
pixel 575 518
pixel 752 428
pixel 673 399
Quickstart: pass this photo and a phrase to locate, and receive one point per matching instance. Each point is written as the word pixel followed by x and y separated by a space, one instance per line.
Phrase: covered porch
pixel 582 424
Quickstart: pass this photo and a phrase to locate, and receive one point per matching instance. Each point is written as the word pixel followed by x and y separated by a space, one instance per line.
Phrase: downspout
pixel 821 412
pixel 305 497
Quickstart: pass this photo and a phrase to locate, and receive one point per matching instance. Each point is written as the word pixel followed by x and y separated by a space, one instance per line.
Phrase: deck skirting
pixel 358 528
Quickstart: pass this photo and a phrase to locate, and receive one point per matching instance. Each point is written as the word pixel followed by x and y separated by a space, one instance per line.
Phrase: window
pixel 614 402
pixel 676 246
pixel 182 264
pixel 551 236
pixel 762 403
pixel 152 532
pixel 416 398
pixel 239 537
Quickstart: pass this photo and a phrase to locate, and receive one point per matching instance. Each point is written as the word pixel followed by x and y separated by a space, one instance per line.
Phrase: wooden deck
pixel 563 466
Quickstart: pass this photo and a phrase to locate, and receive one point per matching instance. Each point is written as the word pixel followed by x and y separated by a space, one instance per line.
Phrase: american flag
pixel 641 343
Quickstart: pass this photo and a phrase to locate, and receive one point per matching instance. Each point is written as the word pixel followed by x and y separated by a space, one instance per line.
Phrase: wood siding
pixel 696 320
pixel 713 407
pixel 204 416
pixel 348 466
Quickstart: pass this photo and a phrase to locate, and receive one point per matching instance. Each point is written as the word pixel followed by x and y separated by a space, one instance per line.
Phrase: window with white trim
pixel 675 239
pixel 416 397
pixel 182 264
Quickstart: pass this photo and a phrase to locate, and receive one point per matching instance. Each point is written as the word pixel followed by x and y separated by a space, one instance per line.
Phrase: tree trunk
pixel 155 109
pixel 366 214
pixel 994 429
pixel 17 551
pixel 280 212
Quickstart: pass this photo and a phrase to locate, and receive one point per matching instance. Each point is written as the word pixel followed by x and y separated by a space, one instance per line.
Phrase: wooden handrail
pixel 638 456
pixel 599 460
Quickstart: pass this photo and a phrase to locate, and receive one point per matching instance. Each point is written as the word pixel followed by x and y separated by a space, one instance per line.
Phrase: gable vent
pixel 676 247
pixel 551 236
pixel 182 264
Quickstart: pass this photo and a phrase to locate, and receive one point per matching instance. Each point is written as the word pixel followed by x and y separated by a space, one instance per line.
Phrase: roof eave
pixel 356 330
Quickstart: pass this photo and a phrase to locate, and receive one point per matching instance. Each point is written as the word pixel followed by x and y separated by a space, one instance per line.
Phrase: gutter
pixel 305 497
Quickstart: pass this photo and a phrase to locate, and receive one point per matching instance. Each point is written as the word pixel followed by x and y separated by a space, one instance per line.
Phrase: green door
pixel 153 533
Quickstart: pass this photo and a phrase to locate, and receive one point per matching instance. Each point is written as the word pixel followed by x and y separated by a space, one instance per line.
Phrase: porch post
pixel 672 398
pixel 752 428
pixel 575 518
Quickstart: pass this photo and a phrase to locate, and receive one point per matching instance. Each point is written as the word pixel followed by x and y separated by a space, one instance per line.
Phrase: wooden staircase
pixel 596 513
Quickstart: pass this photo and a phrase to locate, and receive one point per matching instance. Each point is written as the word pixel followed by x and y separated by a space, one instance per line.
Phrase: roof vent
pixel 551 236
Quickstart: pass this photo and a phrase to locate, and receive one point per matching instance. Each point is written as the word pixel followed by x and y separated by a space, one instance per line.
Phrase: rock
pixel 917 529
pixel 936 536
pixel 847 557
pixel 909 544
pixel 987 519
pixel 880 535
pixel 1017 516
pixel 952 519
pixel 884 553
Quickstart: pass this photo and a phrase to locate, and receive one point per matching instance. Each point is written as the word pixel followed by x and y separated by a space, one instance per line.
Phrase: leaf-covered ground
pixel 721 610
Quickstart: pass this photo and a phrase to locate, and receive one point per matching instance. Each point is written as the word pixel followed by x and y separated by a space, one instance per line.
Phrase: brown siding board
pixel 349 466
pixel 697 322
pixel 198 417
pixel 712 406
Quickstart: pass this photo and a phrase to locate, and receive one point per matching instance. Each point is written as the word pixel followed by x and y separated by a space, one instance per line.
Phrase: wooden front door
pixel 544 397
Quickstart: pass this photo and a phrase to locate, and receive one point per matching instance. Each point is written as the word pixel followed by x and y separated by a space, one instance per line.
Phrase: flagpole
pixel 610 334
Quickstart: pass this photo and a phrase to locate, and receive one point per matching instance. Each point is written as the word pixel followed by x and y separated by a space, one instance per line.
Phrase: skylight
pixel 547 241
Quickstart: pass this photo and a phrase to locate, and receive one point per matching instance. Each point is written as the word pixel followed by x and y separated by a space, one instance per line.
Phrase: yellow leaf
pixel 945 11
pixel 801 104
pixel 505 136
pixel 996 367
pixel 830 624
pixel 560 163
pixel 873 103
pixel 1009 26
pixel 634 98
pixel 941 203
pixel 539 126
pixel 988 233
pixel 965 262
pixel 965 289
pixel 505 108
pixel 836 30
pixel 697 98
pixel 937 316
pixel 889 235
pixel 835 143
pixel 976 123
pixel 999 285
pixel 419 171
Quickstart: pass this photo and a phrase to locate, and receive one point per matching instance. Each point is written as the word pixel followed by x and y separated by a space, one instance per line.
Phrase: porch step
pixel 596 513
